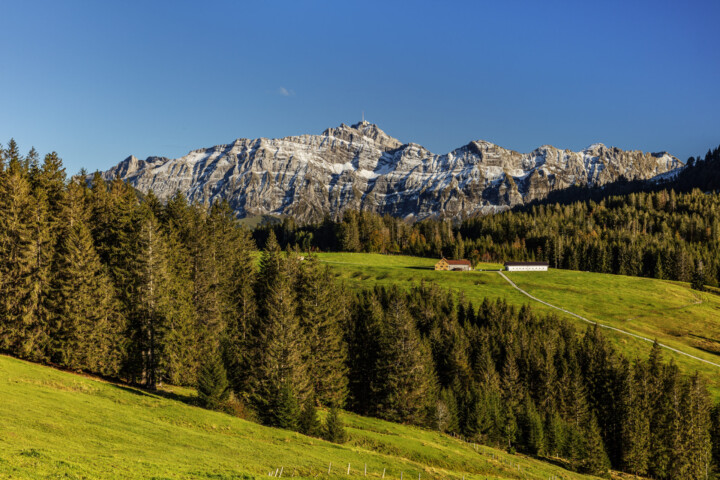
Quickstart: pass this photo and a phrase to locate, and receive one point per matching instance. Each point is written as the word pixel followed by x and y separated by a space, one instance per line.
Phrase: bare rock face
pixel 361 167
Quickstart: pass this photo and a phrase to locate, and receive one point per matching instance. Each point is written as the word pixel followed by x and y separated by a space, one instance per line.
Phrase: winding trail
pixel 601 325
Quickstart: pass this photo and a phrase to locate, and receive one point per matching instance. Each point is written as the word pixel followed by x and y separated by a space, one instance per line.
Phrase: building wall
pixel 463 268
pixel 530 268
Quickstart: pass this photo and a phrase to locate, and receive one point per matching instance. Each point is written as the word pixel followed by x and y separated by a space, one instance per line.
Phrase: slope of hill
pixel 57 424
pixel 664 310
pixel 360 167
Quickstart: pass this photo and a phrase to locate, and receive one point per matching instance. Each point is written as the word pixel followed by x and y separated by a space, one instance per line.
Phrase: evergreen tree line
pixel 96 279
pixel 661 234
pixel 506 377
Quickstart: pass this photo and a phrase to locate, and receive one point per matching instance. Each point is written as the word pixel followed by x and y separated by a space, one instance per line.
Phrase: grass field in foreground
pixel 56 424
pixel 667 311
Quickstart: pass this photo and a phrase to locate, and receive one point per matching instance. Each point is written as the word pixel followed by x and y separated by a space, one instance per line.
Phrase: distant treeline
pixel 95 279
pixel 661 234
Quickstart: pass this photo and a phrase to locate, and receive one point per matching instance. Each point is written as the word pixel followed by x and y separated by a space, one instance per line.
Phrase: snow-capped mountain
pixel 361 167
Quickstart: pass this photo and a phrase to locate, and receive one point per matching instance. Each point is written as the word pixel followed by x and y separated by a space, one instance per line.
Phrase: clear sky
pixel 97 81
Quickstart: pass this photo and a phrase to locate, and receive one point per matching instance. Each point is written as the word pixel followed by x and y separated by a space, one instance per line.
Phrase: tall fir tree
pixel 309 423
pixel 86 322
pixel 363 337
pixel 408 380
pixel 280 382
pixel 149 321
pixel 319 315
pixel 212 386
pixel 239 346
pixel 334 427
pixel 636 420
pixel 21 329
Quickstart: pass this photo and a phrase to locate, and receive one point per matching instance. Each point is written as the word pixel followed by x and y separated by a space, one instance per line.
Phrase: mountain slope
pixel 361 167
pixel 57 424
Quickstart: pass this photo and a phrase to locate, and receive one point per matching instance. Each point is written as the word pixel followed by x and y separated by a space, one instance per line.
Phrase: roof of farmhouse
pixel 526 264
pixel 457 262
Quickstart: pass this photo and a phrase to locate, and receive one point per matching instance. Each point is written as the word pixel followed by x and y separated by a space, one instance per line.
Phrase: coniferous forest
pixel 95 278
pixel 663 234
pixel 671 231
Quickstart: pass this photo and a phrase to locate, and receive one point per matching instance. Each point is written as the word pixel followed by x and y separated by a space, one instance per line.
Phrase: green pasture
pixel 55 424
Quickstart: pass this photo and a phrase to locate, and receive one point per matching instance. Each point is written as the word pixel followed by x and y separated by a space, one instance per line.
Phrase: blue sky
pixel 97 81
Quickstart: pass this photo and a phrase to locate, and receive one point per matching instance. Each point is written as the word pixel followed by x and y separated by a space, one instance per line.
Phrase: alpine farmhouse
pixel 453 265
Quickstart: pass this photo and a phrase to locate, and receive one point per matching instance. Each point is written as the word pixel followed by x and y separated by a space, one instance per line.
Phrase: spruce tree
pixel 21 329
pixel 555 434
pixel 183 357
pixel 280 379
pixel 87 326
pixel 696 426
pixel 334 427
pixel 212 384
pixel 239 346
pixel 320 320
pixel 636 421
pixel 595 460
pixel 715 436
pixel 149 323
pixel 364 337
pixel 446 412
pixel 309 423
pixel 408 379
pixel 532 432
pixel 698 277
pixel 284 410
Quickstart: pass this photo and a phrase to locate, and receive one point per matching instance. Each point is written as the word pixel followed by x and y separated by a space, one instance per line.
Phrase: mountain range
pixel 360 167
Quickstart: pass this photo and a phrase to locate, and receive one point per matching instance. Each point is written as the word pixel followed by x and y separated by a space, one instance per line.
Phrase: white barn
pixel 526 266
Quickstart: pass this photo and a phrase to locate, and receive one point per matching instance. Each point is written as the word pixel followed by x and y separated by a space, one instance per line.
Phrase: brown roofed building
pixel 460 265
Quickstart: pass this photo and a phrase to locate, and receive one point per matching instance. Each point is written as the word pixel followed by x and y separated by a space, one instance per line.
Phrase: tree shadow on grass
pixel 137 390
pixel 179 397
pixel 134 390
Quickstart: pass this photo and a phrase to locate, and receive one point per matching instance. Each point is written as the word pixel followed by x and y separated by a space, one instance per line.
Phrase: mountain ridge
pixel 361 167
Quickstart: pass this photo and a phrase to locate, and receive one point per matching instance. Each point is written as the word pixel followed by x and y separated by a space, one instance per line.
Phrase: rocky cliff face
pixel 361 167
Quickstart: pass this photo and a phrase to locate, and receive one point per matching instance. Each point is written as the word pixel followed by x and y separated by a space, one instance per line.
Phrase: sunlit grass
pixel 56 424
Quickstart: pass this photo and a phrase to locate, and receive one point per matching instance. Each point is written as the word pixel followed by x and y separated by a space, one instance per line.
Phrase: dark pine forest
pixel 95 278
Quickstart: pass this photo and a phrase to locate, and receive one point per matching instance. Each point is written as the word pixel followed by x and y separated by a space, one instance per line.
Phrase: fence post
pixel 281 470
pixel 384 473
pixel 366 469
pixel 329 467
pixel 348 469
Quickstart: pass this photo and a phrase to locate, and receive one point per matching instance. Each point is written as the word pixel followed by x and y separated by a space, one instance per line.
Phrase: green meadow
pixel 56 424
pixel 667 311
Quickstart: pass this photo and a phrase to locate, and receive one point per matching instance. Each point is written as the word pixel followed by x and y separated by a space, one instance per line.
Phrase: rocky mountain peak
pixel 360 167
pixel 363 131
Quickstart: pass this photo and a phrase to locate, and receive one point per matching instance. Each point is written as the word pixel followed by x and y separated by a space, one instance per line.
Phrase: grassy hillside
pixel 669 311
pixel 56 424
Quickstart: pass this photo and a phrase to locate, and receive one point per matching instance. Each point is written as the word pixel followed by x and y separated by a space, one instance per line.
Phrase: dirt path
pixel 604 326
